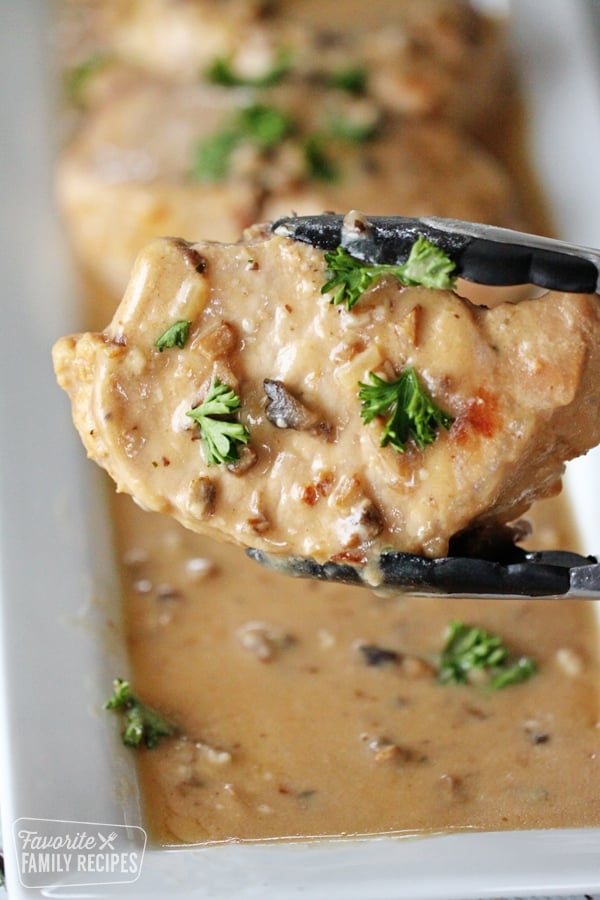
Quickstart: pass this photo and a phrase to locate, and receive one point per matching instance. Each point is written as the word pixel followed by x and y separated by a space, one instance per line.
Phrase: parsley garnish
pixel 347 129
pixel 410 413
pixel 319 166
pixel 142 723
pixel 266 126
pixel 222 72
pixel 78 78
pixel 212 156
pixel 350 277
pixel 220 436
pixel 176 335
pixel 353 80
pixel 468 648
pixel 261 125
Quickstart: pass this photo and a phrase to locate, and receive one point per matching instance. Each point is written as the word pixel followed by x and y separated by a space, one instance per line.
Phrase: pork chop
pixel 303 470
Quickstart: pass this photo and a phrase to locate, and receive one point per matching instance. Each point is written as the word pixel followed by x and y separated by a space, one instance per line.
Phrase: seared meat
pixel 518 383
pixel 165 85
pixel 131 173
pixel 124 179
pixel 421 57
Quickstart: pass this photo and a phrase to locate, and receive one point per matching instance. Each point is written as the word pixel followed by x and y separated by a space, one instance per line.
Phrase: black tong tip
pixel 482 253
pixel 541 574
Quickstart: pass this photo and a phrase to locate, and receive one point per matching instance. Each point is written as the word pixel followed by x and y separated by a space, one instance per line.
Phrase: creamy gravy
pixel 289 732
pixel 517 384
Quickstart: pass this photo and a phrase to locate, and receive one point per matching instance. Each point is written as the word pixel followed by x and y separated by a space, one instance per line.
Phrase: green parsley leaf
pixel 261 125
pixel 350 277
pixel 411 413
pixel 220 436
pixel 353 80
pixel 78 78
pixel 222 72
pixel 176 335
pixel 142 723
pixel 519 671
pixel 265 126
pixel 468 648
pixel 213 155
pixel 346 129
pixel 319 166
pixel 429 266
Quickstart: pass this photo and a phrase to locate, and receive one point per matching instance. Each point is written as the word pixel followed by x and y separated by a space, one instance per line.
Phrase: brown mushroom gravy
pixel 290 727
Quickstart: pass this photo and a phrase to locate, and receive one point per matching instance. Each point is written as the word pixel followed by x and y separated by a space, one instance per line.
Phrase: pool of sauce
pixel 286 731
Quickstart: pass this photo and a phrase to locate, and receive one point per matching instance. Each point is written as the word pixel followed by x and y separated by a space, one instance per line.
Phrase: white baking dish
pixel 58 758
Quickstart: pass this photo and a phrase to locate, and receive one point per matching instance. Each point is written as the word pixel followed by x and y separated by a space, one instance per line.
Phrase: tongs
pixel 483 254
pixel 489 256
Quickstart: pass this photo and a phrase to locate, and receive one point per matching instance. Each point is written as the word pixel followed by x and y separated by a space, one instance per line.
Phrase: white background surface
pixel 57 754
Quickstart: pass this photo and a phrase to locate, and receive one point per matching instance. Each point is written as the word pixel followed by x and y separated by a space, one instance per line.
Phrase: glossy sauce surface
pixel 288 731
